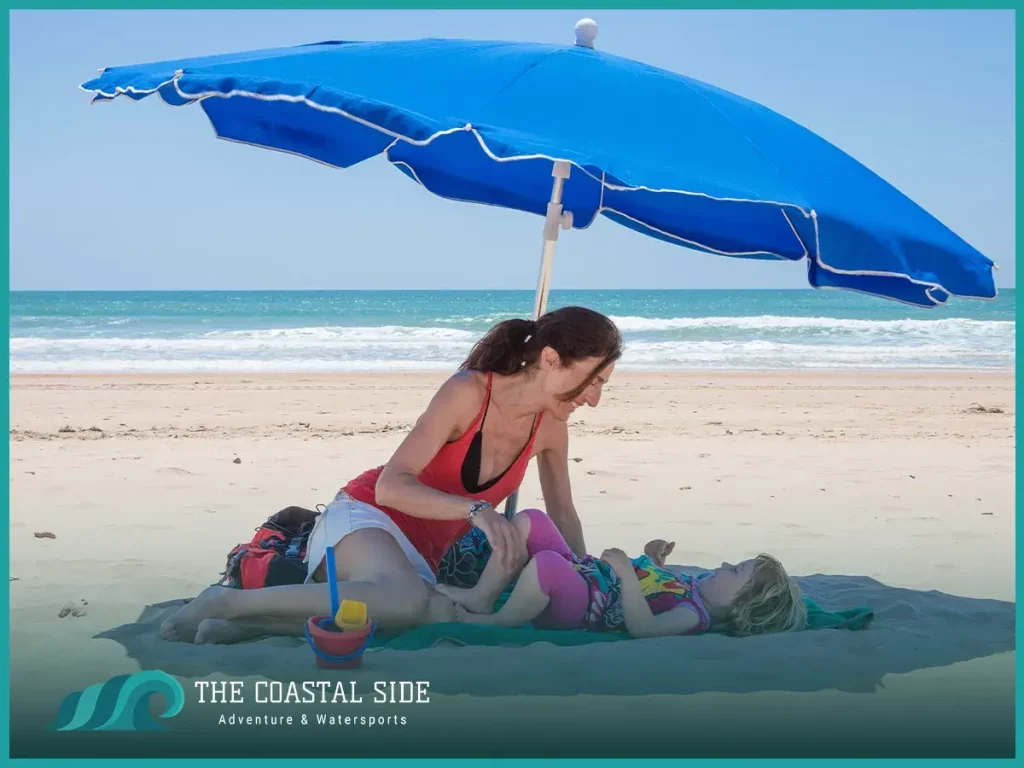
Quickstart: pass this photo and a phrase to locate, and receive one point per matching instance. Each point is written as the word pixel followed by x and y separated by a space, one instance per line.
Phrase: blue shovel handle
pixel 332 581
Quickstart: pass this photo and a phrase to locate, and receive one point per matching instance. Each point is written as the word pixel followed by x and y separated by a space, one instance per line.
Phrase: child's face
pixel 725 583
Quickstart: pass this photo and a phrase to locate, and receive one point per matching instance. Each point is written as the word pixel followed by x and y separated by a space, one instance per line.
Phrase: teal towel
pixel 853 618
pixel 431 635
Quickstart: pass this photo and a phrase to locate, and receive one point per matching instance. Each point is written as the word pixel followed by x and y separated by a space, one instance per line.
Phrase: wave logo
pixel 121 703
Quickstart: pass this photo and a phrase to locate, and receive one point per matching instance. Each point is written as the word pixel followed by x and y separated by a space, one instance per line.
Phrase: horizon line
pixel 400 290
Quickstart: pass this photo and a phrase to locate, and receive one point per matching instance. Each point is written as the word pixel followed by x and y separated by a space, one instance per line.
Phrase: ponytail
pixel 506 349
pixel 575 333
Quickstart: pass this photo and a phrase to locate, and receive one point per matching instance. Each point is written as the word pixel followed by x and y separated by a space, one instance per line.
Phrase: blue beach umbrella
pixel 569 132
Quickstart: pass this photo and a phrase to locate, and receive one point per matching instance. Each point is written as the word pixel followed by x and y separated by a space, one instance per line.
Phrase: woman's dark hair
pixel 575 333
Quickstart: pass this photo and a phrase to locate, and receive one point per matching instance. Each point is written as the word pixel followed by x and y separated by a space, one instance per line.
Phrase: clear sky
pixel 141 196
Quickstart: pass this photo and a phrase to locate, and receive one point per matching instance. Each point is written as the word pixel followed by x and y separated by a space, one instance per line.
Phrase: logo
pixel 121 704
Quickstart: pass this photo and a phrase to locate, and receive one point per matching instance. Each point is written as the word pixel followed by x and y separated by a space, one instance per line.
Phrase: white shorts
pixel 345 515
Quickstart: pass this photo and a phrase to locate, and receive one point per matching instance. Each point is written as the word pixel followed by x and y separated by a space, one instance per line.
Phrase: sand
pixel 889 489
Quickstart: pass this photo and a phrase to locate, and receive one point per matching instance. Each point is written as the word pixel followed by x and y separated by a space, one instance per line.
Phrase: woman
pixel 391 526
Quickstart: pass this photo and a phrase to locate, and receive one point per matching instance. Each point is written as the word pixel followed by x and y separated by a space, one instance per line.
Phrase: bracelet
pixel 475 509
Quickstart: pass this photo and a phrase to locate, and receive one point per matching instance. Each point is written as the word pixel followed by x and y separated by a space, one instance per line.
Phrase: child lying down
pixel 557 590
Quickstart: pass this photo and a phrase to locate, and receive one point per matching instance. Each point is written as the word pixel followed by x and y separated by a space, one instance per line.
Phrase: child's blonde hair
pixel 769 602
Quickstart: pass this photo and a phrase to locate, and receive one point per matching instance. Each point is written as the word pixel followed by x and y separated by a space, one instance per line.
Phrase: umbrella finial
pixel 586 33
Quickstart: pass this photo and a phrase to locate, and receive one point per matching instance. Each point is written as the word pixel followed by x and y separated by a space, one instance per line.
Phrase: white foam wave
pixel 348 333
pixel 224 365
pixel 632 324
pixel 641 355
pixel 740 342
pixel 279 339
pixel 766 354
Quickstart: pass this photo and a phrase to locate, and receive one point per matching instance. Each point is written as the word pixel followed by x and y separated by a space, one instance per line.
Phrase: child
pixel 557 590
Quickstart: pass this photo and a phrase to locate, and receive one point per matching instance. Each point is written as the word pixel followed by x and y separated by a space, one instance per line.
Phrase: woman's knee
pixel 409 599
pixel 416 604
pixel 373 556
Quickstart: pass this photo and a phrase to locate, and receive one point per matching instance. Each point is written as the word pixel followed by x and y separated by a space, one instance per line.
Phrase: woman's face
pixel 559 379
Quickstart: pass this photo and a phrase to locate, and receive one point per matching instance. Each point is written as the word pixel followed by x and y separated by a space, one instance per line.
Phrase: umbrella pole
pixel 552 221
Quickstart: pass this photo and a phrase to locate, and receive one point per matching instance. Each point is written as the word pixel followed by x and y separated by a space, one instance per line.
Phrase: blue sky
pixel 141 196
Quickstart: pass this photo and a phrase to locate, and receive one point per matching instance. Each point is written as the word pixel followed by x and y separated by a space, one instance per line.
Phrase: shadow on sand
pixel 912 630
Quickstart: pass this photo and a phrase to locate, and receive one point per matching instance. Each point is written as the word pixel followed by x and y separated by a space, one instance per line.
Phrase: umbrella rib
pixel 708 248
pixel 749 140
pixel 525 72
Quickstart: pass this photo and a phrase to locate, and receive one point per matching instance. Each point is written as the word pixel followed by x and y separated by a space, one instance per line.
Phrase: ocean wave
pixel 479 320
pixel 348 333
pixel 283 339
pixel 766 355
pixel 632 324
pixel 244 355
pixel 228 365
pixel 765 341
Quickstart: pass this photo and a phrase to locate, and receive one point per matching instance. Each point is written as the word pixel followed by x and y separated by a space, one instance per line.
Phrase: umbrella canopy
pixel 663 154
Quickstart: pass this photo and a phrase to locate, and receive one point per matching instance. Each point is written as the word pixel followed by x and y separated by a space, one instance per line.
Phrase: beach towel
pixel 430 635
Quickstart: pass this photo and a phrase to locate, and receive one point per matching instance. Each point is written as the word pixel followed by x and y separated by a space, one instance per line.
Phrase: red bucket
pixel 335 649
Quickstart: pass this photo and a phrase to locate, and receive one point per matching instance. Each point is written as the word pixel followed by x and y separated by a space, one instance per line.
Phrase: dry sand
pixel 879 487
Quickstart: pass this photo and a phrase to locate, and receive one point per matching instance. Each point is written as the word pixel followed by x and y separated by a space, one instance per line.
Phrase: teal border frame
pixel 520 5
pixel 587 5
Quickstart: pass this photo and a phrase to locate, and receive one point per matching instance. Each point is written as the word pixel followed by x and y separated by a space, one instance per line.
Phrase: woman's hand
pixel 505 539
pixel 618 560
pixel 659 550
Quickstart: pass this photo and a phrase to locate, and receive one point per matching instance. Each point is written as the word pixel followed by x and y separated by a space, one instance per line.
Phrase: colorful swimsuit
pixel 663 590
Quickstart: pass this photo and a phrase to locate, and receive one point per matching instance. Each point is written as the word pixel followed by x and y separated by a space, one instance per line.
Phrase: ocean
pixel 253 331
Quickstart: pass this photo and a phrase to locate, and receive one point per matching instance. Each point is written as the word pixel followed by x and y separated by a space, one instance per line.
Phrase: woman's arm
pixel 399 487
pixel 553 466
pixel 640 622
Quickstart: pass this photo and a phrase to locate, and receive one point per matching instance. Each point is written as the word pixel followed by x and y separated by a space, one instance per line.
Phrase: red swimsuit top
pixel 432 538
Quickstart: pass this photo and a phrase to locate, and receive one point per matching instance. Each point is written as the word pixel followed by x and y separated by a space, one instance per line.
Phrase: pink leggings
pixel 559 580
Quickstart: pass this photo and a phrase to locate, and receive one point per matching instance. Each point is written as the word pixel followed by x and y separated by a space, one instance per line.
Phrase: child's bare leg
pixel 440 609
pixel 493 581
pixel 481 598
pixel 525 604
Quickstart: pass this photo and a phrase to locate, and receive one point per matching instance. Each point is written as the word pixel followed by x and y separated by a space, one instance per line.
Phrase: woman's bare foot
pixel 222 631
pixel 226 631
pixel 473 600
pixel 183 626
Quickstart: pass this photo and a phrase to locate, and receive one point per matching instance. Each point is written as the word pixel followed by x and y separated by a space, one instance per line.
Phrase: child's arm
pixel 640 622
